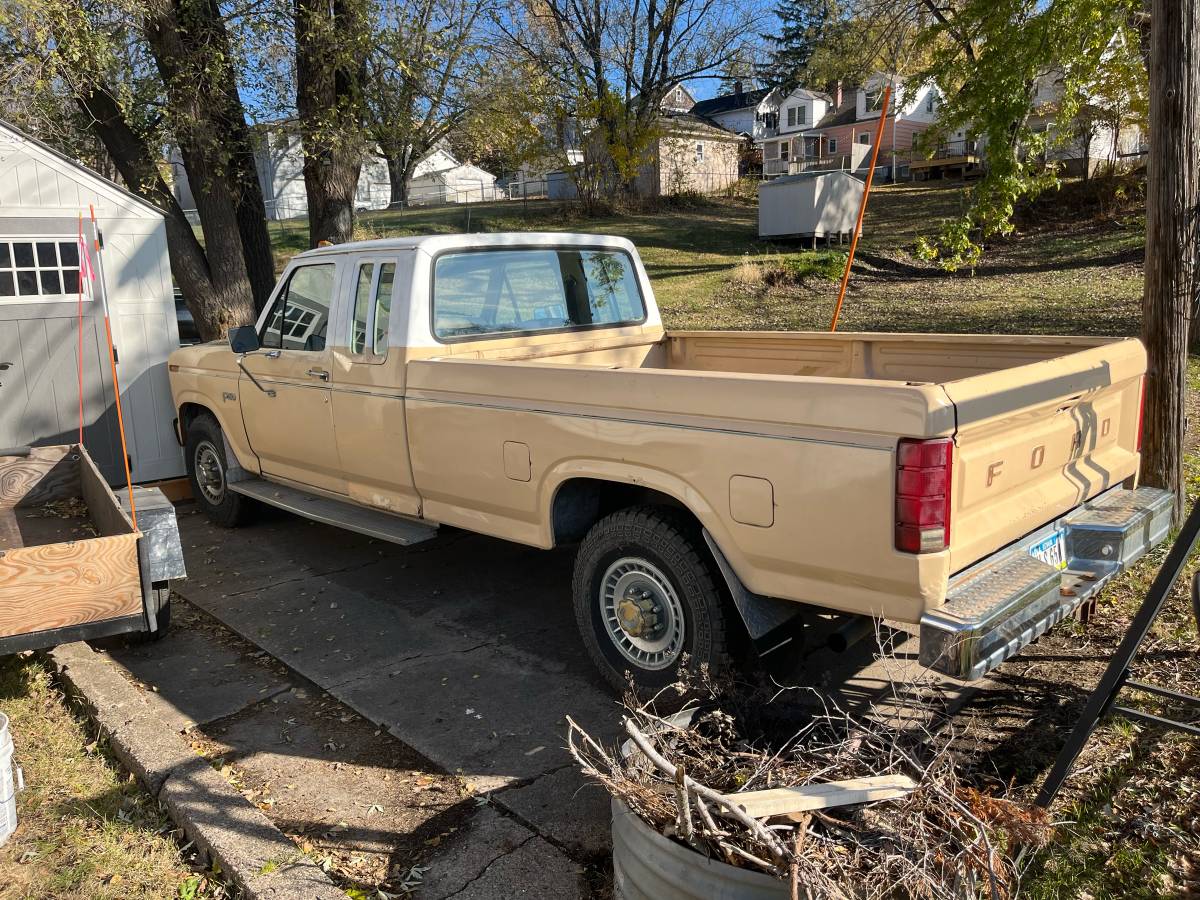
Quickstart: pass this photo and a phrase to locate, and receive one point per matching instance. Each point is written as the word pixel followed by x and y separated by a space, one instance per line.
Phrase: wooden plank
pixel 46 474
pixel 57 585
pixel 177 490
pixel 783 801
pixel 102 503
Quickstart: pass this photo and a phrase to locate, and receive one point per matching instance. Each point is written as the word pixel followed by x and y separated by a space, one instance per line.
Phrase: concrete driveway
pixel 464 648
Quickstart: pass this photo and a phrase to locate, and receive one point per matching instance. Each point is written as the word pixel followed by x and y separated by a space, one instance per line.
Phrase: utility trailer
pixel 72 564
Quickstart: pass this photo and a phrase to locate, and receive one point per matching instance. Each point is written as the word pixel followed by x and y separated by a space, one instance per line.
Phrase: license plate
pixel 1052 550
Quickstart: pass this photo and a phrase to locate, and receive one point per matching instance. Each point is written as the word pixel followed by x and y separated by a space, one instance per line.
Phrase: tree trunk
pixel 400 166
pixel 330 65
pixel 1172 194
pixel 215 305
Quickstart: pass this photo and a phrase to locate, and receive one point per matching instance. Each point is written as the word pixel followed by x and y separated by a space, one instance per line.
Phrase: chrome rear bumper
pixel 1000 604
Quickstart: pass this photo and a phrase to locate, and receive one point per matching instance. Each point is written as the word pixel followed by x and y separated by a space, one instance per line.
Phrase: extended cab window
pixel 299 319
pixel 517 291
pixel 372 308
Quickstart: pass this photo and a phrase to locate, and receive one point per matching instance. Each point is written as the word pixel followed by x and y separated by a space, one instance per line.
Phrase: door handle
pixel 272 354
pixel 318 373
pixel 4 367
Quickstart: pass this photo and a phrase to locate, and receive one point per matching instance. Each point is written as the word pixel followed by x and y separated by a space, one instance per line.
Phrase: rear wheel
pixel 208 472
pixel 646 596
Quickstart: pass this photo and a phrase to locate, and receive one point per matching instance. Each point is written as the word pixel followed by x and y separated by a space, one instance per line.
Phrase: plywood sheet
pixel 56 585
pixel 46 474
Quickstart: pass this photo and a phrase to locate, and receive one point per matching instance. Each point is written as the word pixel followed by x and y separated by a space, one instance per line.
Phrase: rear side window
pixel 495 292
pixel 299 320
pixel 372 308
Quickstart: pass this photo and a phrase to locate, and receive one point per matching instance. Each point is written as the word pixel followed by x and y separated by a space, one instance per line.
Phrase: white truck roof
pixel 433 243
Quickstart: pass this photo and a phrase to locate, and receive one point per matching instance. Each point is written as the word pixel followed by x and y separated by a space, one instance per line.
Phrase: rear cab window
pixel 486 293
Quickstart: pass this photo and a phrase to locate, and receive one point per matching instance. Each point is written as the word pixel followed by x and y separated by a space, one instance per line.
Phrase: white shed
pixel 42 194
pixel 816 205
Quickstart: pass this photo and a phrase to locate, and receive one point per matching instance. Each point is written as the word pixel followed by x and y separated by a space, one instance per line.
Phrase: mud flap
pixel 765 618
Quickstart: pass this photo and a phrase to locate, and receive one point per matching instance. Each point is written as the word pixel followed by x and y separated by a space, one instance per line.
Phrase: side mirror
pixel 243 339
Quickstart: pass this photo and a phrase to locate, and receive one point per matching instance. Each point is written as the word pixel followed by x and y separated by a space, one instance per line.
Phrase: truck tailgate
pixel 1035 441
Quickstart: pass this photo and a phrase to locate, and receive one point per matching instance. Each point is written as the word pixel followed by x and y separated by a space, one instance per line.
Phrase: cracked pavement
pixel 464 648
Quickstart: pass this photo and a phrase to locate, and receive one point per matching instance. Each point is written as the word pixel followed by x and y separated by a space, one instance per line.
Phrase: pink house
pixel 815 128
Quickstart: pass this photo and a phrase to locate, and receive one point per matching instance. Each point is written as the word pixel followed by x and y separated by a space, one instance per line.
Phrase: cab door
pixel 368 384
pixel 289 414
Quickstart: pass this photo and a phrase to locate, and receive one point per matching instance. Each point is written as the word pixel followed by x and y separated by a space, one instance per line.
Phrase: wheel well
pixel 189 413
pixel 582 502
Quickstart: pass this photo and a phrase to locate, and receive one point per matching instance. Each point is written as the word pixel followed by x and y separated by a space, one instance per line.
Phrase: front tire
pixel 646 596
pixel 208 473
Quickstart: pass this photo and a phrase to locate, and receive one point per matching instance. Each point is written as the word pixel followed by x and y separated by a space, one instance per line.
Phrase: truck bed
pixel 1040 424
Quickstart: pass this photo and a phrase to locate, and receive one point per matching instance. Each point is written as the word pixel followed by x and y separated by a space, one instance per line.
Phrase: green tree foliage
pixel 990 57
pixel 804 26
pixel 608 65
pixel 422 63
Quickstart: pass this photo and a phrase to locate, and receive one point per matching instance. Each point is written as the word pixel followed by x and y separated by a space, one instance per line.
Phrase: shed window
pixel 33 268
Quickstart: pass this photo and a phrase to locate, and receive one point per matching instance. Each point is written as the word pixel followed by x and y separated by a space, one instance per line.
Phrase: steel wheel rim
pixel 210 474
pixel 630 580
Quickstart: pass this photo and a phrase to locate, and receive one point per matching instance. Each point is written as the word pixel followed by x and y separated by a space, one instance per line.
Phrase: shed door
pixel 39 388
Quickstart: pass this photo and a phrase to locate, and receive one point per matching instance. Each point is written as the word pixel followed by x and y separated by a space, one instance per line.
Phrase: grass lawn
pixel 1082 277
pixel 85 829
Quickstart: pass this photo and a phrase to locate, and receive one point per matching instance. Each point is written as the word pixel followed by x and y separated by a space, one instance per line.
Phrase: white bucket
pixel 11 781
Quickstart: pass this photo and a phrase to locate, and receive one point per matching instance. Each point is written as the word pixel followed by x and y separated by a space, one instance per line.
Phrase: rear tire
pixel 208 473
pixel 646 594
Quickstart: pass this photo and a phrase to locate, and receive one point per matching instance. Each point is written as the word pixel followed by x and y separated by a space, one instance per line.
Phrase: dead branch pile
pixel 944 839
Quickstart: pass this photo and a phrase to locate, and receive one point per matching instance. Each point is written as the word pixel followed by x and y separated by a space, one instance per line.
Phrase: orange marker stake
pixel 79 355
pixel 862 208
pixel 112 360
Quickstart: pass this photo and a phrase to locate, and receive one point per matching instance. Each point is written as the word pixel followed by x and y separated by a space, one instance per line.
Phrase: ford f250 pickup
pixel 522 386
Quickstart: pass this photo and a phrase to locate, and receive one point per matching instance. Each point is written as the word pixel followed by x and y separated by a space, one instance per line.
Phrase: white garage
pixel 42 194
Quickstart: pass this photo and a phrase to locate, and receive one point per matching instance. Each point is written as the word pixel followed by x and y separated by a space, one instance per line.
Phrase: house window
pixel 914 140
pixel 874 97
pixel 39 269
pixel 783 149
pixel 930 102
pixel 865 138
pixel 699 152
pixel 831 144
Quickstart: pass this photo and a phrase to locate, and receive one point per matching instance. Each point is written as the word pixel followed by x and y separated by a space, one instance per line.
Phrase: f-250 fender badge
pixel 226 395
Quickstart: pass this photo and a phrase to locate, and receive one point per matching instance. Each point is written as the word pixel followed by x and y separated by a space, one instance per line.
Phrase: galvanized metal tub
pixel 10 783
pixel 649 866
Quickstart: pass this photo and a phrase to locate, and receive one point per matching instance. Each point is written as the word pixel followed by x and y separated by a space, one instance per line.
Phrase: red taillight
pixel 1141 415
pixel 923 470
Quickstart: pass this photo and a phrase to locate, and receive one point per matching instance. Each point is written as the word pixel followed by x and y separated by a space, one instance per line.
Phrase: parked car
pixel 716 483
pixel 188 333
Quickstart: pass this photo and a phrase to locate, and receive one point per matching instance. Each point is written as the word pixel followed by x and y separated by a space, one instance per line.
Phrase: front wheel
pixel 208 472
pixel 646 596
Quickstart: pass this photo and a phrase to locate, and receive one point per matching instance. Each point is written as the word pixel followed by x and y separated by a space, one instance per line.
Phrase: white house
pixel 1085 142
pixel 279 159
pixel 737 112
pixel 42 195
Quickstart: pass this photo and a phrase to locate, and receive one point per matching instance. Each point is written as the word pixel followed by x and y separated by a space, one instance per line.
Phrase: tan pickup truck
pixel 522 386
